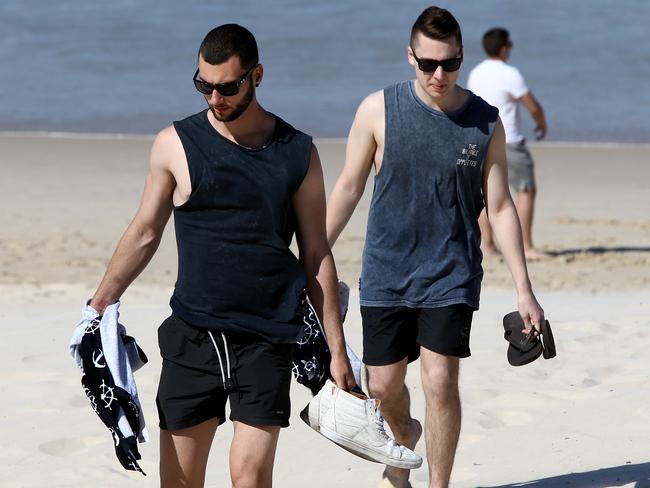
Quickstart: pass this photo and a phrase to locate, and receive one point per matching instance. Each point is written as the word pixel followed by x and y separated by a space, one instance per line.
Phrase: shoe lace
pixel 381 430
pixel 379 423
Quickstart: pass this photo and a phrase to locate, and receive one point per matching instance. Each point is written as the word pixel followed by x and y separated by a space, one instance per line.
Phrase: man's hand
pixel 341 372
pixel 531 312
pixel 537 113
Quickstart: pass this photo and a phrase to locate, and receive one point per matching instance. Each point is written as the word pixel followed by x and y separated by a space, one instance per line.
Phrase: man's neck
pixel 451 102
pixel 252 129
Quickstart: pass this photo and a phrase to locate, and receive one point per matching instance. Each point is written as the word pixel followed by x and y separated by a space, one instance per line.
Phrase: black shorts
pixel 391 334
pixel 192 388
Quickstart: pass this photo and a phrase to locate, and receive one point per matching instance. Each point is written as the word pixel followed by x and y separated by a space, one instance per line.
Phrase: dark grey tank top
pixel 235 269
pixel 422 245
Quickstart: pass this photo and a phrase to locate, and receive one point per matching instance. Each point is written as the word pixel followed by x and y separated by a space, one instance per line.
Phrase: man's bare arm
pixel 317 260
pixel 502 214
pixel 536 112
pixel 359 156
pixel 142 237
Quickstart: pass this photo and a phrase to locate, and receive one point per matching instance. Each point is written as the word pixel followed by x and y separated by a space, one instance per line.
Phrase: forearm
pixel 323 292
pixel 340 207
pixel 538 117
pixel 506 228
pixel 131 256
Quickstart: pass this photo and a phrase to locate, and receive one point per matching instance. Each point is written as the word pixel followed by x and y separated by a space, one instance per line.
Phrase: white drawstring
pixel 225 346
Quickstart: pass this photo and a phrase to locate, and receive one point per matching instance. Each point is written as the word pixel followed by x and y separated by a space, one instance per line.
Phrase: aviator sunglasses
pixel 431 65
pixel 224 89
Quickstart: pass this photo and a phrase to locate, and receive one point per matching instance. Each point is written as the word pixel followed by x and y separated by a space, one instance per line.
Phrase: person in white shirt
pixel 503 86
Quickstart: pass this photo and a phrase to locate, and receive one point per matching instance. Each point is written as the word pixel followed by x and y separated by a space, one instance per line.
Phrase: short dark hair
pixel 437 23
pixel 496 39
pixel 228 40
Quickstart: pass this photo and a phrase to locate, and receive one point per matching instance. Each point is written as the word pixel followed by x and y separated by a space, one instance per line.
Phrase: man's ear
pixel 409 56
pixel 258 74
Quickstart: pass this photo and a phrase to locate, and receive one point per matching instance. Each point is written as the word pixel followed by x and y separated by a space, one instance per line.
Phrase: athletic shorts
pixel 391 334
pixel 253 374
pixel 521 174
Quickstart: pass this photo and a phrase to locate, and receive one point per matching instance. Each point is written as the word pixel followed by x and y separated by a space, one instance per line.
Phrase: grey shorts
pixel 521 174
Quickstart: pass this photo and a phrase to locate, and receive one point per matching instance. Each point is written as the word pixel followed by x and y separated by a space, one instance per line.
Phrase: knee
pixel 383 388
pixel 246 476
pixel 440 385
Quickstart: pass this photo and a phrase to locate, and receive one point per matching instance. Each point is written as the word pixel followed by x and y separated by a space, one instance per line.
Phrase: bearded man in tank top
pixel 239 181
pixel 438 152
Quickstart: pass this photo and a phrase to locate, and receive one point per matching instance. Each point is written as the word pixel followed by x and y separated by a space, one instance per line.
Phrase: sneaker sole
pixel 304 416
pixel 365 453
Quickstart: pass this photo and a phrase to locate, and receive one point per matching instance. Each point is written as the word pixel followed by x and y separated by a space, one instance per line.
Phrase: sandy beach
pixel 579 420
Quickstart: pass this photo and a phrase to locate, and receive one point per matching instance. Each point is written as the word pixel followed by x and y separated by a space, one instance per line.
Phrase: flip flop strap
pixel 524 344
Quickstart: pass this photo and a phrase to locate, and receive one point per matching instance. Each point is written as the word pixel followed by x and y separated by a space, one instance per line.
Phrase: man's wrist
pixel 525 292
pixel 338 350
pixel 99 304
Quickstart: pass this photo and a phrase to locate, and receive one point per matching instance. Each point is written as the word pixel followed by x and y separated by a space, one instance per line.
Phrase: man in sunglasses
pixel 438 152
pixel 502 85
pixel 239 181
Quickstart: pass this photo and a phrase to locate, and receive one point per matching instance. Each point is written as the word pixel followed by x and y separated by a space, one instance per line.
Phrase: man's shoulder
pixel 480 106
pixel 284 131
pixel 494 66
pixel 480 66
pixel 372 105
pixel 167 143
pixel 167 136
pixel 377 98
pixel 511 70
pixel 194 118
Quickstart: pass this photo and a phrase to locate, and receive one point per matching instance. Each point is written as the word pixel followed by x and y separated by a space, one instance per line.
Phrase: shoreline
pixel 323 140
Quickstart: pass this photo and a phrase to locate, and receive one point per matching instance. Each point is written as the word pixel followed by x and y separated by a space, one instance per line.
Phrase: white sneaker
pixel 356 425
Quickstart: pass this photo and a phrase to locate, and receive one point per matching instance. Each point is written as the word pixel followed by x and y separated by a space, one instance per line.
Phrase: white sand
pixel 582 419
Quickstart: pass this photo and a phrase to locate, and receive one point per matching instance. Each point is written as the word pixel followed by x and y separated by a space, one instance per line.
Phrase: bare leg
pixel 487 241
pixel 442 428
pixel 387 384
pixel 184 455
pixel 252 454
pixel 526 209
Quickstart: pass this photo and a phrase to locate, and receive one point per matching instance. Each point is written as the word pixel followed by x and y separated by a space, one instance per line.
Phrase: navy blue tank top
pixel 422 245
pixel 235 269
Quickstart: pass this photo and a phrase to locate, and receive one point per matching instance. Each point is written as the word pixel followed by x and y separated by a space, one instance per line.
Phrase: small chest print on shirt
pixel 470 156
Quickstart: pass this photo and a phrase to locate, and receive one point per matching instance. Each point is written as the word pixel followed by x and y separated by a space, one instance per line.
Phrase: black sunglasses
pixel 224 89
pixel 430 65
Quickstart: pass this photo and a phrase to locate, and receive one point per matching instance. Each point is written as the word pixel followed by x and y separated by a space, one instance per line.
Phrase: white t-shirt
pixel 500 85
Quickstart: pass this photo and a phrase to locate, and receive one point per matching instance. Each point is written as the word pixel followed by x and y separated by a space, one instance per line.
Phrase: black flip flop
pixel 525 348
pixel 548 342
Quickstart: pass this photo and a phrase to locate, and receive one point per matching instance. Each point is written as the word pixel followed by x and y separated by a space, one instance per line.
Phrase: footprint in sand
pixel 514 417
pixel 504 418
pixel 593 339
pixel 71 445
pixel 469 439
pixel 475 396
pixel 42 357
pixel 609 328
pixel 79 401
pixel 526 400
pixel 604 375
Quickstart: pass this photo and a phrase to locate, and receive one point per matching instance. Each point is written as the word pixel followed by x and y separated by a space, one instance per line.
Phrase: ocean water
pixel 125 66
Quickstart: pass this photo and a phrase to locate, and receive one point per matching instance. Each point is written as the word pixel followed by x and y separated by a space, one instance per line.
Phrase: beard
pixel 238 109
